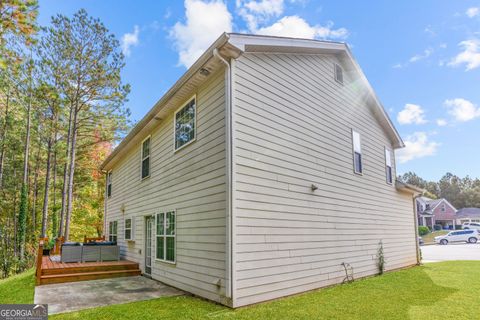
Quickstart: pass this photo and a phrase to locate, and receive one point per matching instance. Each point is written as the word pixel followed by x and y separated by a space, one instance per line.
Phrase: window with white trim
pixel 165 242
pixel 146 158
pixel 338 73
pixel 128 229
pixel 112 231
pixel 109 184
pixel 443 208
pixel 185 122
pixel 357 152
pixel 388 165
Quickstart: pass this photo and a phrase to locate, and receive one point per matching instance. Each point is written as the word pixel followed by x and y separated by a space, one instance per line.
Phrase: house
pixel 468 215
pixel 265 168
pixel 435 211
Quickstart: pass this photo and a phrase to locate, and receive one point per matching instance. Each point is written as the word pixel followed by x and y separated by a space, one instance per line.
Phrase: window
pixel 443 208
pixel 165 249
pixel 109 184
pixel 146 158
pixel 357 153
pixel 112 231
pixel 388 164
pixel 338 73
pixel 128 230
pixel 185 122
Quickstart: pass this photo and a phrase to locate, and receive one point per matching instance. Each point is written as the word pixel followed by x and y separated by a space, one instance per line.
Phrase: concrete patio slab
pixel 74 296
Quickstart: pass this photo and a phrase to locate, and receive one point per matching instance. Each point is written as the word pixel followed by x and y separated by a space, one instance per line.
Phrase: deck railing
pixel 38 272
pixel 87 239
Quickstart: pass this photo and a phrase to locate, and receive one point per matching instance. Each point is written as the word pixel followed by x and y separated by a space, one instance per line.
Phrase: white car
pixel 471 225
pixel 470 236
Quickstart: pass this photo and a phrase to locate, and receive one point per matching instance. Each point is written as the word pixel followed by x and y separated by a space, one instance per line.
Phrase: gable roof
pixel 232 45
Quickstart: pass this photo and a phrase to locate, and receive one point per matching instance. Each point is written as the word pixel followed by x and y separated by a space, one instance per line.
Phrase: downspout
pixel 228 146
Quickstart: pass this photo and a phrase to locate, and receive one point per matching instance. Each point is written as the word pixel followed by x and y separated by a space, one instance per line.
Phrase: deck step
pixel 90 268
pixel 83 276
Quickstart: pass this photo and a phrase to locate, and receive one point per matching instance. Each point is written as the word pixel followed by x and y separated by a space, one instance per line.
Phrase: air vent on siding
pixel 338 73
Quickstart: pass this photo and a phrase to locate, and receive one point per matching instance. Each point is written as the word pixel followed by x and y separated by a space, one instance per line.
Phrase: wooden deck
pixel 58 272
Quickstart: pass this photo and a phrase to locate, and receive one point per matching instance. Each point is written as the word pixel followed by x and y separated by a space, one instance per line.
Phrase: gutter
pixel 223 39
pixel 228 143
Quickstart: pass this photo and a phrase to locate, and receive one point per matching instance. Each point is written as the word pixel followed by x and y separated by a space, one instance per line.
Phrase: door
pixel 149 221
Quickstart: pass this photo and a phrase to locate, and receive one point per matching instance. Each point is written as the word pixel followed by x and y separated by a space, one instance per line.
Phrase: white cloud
pixel 469 56
pixel 294 26
pixel 472 12
pixel 205 21
pixel 417 146
pixel 256 12
pixel 411 114
pixel 130 40
pixel 462 110
pixel 426 53
pixel 441 122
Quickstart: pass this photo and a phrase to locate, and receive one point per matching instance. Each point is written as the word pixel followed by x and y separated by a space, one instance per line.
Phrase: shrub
pixel 423 230
pixel 437 227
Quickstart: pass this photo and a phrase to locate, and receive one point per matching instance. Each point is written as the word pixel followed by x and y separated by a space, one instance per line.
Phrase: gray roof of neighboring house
pixel 468 212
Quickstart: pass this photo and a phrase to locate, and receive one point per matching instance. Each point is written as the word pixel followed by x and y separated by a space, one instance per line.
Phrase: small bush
pixel 423 230
pixel 437 227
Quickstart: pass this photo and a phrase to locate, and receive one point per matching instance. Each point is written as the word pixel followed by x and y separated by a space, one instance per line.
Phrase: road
pixel 460 251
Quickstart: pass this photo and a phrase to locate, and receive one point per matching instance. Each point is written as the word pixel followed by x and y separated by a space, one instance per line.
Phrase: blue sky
pixel 422 58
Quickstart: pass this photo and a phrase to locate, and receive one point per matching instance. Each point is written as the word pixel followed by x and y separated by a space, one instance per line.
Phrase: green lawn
pixel 429 238
pixel 445 290
pixel 18 289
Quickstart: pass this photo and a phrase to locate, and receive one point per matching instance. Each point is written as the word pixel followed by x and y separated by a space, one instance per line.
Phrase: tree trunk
pixel 4 138
pixel 65 176
pixel 54 210
pixel 22 215
pixel 47 187
pixel 35 191
pixel 71 173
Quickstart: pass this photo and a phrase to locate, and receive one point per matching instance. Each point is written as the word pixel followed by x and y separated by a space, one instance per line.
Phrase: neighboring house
pixel 268 165
pixel 468 215
pixel 439 211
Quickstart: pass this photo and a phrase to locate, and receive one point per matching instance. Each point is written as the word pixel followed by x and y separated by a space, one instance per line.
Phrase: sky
pixel 421 57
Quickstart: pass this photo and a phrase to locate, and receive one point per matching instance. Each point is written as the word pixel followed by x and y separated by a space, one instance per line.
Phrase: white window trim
pixel 142 158
pixel 353 152
pixel 387 150
pixel 335 73
pixel 109 182
pixel 132 236
pixel 110 234
pixel 174 262
pixel 194 97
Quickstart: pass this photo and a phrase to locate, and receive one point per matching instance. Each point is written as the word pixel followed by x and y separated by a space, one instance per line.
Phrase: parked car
pixel 420 241
pixel 470 236
pixel 471 225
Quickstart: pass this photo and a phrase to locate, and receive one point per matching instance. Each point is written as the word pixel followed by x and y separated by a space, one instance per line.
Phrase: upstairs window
pixel 112 231
pixel 185 124
pixel 443 207
pixel 357 153
pixel 109 184
pixel 388 165
pixel 165 244
pixel 146 158
pixel 338 73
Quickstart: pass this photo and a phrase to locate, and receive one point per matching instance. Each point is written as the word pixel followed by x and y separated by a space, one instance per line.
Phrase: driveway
pixel 461 251
pixel 73 296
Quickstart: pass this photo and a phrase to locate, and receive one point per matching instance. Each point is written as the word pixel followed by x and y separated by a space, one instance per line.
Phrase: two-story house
pixel 268 165
pixel 438 211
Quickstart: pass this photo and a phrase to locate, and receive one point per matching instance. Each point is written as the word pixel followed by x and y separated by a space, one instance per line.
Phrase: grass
pixel 430 238
pixel 18 289
pixel 434 291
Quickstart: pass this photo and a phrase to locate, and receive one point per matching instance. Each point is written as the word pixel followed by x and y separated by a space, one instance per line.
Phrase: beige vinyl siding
pixel 190 181
pixel 292 128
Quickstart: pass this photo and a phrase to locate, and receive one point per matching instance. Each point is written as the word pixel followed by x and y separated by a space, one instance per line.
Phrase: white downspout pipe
pixel 228 146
